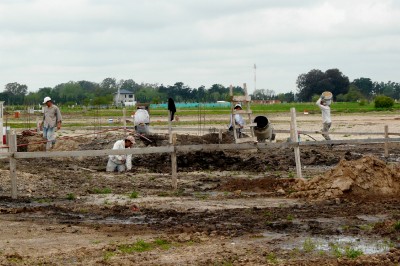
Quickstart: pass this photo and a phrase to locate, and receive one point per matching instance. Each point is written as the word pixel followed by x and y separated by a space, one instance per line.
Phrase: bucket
pixel 16 114
pixel 110 120
pixel 327 97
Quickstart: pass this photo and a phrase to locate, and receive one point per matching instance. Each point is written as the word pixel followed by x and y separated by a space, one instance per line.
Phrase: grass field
pixel 26 120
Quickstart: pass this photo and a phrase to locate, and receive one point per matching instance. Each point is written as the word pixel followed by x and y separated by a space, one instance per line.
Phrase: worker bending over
pixel 142 120
pixel 121 163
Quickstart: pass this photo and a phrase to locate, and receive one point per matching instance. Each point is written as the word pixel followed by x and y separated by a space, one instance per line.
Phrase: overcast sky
pixel 198 42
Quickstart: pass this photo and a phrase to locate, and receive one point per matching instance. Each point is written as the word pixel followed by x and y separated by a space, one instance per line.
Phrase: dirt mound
pixel 365 177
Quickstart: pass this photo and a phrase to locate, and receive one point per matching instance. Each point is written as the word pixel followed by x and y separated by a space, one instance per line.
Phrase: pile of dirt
pixel 365 177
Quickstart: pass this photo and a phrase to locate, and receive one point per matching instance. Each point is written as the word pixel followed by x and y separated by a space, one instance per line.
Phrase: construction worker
pixel 121 163
pixel 264 129
pixel 142 120
pixel 239 121
pixel 51 120
pixel 324 105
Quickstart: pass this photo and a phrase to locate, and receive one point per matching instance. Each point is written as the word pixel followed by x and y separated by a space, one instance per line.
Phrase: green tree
pixel 354 94
pixel 316 82
pixel 365 85
pixel 15 92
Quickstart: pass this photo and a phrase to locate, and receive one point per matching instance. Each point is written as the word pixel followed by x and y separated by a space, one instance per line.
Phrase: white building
pixel 125 98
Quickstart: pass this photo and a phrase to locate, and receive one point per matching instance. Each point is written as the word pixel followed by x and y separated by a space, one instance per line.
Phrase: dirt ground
pixel 230 208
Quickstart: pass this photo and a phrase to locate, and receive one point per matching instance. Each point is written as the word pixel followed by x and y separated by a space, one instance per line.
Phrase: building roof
pixel 123 92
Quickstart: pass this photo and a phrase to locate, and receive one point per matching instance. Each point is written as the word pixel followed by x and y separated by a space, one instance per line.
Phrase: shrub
pixel 382 101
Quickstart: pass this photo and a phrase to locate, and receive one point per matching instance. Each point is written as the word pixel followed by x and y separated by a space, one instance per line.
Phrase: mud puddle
pixel 335 245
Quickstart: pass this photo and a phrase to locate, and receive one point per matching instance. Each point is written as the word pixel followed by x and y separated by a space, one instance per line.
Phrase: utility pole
pixel 255 78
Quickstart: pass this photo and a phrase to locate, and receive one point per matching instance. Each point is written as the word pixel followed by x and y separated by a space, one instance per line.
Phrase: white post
pixel 295 138
pixel 12 143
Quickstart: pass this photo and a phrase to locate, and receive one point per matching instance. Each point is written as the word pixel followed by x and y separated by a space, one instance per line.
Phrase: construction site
pixel 197 195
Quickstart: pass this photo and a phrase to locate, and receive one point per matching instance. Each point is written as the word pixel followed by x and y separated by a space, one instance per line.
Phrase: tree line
pixel 309 85
pixel 316 82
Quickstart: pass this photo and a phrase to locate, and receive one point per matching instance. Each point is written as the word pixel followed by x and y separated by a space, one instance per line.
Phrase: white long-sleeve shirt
pixel 325 110
pixel 141 117
pixel 120 145
pixel 238 120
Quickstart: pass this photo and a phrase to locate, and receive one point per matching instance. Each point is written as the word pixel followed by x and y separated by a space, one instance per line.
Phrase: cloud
pixel 43 42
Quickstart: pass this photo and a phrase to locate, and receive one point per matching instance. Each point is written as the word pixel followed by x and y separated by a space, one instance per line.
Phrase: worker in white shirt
pixel 326 116
pixel 142 120
pixel 121 163
pixel 239 121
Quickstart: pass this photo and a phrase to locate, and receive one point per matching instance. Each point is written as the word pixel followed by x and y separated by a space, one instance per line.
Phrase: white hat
pixel 131 139
pixel 46 99
pixel 237 105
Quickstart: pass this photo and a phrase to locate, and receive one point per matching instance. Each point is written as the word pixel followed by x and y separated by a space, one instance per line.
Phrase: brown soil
pixel 364 177
pixel 231 208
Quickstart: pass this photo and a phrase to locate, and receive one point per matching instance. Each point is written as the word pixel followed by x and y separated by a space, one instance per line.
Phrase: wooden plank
pixel 333 132
pixel 191 148
pixel 244 140
pixel 250 125
pixel 93 153
pixel 240 98
pixel 349 141
pixel 242 112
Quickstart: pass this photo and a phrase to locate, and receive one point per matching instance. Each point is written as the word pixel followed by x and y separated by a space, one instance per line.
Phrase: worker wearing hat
pixel 324 105
pixel 51 120
pixel 121 163
pixel 239 121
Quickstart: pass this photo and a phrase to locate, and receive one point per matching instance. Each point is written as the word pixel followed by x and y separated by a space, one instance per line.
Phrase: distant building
pixel 126 98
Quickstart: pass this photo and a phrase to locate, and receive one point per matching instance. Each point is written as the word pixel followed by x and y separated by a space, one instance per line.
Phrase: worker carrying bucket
pixel 264 130
pixel 324 103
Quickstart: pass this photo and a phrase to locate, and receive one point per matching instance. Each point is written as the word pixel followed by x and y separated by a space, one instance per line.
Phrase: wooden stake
pixel 170 126
pixel 174 165
pixel 12 143
pixel 295 138
pixel 124 119
pixel 220 135
pixel 386 145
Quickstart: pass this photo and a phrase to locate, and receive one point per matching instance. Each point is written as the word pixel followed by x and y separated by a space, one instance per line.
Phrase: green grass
pixel 134 195
pixel 102 190
pixel 142 246
pixel 352 253
pixel 139 246
pixel 162 243
pixel 71 196
pixel 397 226
pixel 108 255
pixel 309 245
pixel 272 258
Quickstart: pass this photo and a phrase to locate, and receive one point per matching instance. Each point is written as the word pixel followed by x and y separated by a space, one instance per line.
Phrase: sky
pixel 198 42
